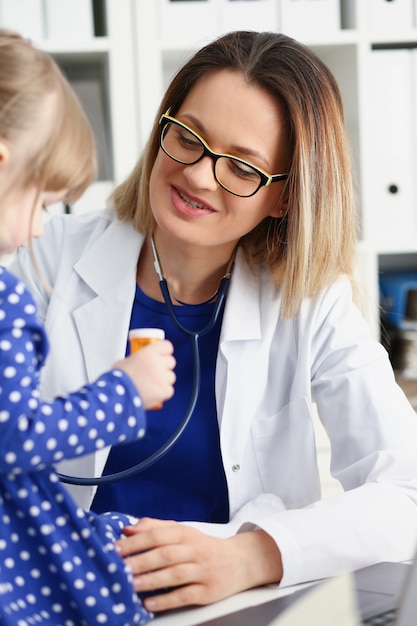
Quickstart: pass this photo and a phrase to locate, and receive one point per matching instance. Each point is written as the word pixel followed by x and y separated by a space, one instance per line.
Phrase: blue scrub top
pixel 188 483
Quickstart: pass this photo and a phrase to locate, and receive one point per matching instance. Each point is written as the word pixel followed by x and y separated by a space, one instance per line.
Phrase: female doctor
pixel 246 179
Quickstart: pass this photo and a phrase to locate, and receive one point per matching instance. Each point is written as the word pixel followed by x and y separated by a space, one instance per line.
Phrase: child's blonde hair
pixel 64 156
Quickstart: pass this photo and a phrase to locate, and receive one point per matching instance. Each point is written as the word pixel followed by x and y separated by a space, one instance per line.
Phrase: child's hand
pixel 152 371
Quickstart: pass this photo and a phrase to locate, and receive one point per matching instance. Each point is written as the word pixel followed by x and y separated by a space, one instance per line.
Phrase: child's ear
pixel 4 153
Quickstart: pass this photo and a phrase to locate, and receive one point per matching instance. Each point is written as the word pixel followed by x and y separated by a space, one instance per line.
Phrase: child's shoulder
pixel 9 282
pixel 14 292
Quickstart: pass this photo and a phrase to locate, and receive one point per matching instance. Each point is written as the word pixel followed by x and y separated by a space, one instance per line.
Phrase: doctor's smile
pixel 188 205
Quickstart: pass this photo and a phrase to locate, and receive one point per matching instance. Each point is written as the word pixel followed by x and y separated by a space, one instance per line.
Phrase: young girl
pixel 58 564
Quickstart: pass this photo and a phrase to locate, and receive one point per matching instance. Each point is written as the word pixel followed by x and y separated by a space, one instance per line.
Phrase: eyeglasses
pixel 235 175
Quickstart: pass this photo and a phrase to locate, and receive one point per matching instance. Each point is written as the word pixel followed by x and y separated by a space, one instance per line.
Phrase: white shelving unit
pixel 112 54
pixel 141 44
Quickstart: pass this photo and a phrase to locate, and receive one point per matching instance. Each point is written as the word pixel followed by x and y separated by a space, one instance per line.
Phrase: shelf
pixel 409 247
pixel 95 47
pixel 393 38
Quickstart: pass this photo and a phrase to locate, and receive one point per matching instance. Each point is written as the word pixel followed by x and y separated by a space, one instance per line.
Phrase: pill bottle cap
pixel 148 333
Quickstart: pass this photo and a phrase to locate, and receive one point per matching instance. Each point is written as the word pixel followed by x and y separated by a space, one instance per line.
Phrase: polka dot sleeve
pixel 35 434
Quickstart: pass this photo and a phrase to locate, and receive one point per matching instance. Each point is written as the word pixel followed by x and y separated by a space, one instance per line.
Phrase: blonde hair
pixel 315 242
pixel 64 156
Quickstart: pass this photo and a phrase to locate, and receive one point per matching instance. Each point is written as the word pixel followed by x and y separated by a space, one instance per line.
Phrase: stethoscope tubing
pixel 195 390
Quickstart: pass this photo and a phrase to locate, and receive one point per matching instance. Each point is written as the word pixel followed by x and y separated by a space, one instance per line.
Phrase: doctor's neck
pixel 193 273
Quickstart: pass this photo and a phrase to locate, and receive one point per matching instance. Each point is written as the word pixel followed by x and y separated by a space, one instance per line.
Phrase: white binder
pixel 386 15
pixel 23 16
pixel 300 18
pixel 69 20
pixel 249 15
pixel 392 149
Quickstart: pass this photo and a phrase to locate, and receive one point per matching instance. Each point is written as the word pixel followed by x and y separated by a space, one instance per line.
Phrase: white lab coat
pixel 269 373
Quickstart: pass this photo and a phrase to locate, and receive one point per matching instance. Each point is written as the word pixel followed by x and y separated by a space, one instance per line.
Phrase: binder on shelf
pixel 69 20
pixel 249 15
pixel 348 14
pixel 392 166
pixel 300 18
pixel 188 21
pixel 386 15
pixel 398 298
pixel 23 16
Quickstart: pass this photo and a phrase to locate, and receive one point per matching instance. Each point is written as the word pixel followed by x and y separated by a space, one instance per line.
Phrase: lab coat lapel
pixel 109 269
pixel 242 313
pixel 241 346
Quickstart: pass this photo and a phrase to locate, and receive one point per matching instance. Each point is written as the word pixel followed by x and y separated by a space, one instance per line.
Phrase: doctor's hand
pixel 152 371
pixel 197 569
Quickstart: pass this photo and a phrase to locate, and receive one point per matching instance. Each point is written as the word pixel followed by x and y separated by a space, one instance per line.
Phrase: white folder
pixel 300 18
pixel 69 20
pixel 392 149
pixel 23 16
pixel 249 15
pixel 387 15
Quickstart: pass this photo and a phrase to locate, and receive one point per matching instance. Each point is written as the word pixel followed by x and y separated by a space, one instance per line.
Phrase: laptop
pixel 386 596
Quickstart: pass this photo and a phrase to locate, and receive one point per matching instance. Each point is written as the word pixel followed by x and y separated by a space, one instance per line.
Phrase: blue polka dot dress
pixel 58 565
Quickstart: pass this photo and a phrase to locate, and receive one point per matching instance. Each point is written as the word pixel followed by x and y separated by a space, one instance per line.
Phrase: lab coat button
pixel 236 467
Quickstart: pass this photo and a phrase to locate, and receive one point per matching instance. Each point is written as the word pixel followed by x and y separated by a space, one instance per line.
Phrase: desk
pixel 193 616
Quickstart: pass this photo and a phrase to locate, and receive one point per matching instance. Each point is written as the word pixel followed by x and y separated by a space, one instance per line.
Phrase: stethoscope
pixel 194 336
